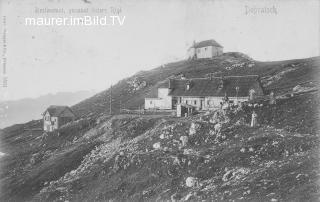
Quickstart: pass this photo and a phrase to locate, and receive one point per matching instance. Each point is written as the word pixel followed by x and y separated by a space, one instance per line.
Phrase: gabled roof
pixel 201 87
pixel 206 43
pixel 164 85
pixel 59 111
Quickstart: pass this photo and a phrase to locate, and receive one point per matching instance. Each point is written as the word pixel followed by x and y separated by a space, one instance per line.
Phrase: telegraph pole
pixel 237 90
pixel 139 110
pixel 110 101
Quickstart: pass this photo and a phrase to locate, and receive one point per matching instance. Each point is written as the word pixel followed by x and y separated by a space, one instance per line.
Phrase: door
pixel 202 104
pixel 174 103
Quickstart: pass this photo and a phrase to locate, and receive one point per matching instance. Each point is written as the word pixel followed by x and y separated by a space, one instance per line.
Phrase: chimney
pixel 188 86
pixel 170 83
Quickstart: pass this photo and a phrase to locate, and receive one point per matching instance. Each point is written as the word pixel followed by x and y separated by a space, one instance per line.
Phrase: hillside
pixel 280 76
pixel 124 157
pixel 23 110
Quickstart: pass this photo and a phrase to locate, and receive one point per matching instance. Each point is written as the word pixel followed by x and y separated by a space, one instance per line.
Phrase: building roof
pixel 57 111
pixel 206 43
pixel 201 87
pixel 164 85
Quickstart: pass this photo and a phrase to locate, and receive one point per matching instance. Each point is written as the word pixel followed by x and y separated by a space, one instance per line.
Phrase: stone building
pixel 205 49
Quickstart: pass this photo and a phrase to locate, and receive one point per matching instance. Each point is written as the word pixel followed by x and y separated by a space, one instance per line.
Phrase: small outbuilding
pixel 184 110
pixel 56 116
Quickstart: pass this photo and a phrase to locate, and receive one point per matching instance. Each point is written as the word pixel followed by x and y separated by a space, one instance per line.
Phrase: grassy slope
pixel 56 156
pixel 305 71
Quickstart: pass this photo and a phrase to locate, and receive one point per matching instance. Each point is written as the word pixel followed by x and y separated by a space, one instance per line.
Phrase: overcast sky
pixel 49 59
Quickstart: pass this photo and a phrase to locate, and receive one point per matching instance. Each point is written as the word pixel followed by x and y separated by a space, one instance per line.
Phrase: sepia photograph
pixel 160 101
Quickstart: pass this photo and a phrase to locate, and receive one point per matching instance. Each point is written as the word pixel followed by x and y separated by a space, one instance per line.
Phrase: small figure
pixel 226 98
pixel 225 108
pixel 254 119
pixel 252 94
pixel 44 137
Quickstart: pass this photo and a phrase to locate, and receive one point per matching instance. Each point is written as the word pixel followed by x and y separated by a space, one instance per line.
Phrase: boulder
pixel 162 136
pixel 191 181
pixel 227 176
pixel 217 127
pixel 35 158
pixel 184 140
pixel 296 88
pixel 175 197
pixel 235 174
pixel 189 197
pixel 156 145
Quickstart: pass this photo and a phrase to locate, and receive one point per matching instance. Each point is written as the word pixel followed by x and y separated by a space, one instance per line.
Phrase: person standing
pixel 254 117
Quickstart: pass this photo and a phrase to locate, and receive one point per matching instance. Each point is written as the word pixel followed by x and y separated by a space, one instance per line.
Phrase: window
pixel 151 102
pixel 195 102
pixel 186 101
pixel 199 50
pixel 208 102
pixel 205 48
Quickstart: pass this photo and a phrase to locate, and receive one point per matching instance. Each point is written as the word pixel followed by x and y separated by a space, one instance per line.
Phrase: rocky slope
pixel 212 156
pixel 153 158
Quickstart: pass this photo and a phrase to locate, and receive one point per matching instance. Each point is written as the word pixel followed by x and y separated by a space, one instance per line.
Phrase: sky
pixel 50 59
